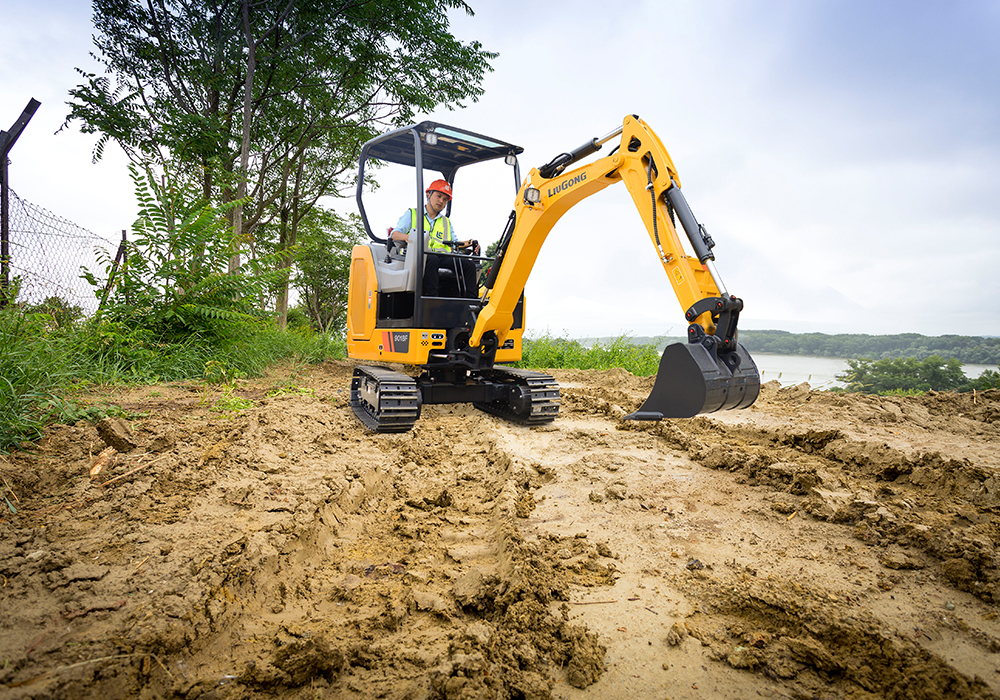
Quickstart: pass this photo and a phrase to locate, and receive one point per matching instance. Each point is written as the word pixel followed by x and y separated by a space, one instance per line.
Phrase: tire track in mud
pixel 413 581
pixel 817 640
pixel 284 552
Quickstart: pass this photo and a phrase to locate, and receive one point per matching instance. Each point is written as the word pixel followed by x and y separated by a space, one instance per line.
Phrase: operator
pixel 441 234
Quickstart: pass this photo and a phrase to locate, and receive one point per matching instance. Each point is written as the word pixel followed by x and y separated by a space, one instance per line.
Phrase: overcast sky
pixel 845 156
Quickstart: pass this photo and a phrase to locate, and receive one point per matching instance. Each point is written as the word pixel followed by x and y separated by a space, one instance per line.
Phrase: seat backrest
pixel 398 274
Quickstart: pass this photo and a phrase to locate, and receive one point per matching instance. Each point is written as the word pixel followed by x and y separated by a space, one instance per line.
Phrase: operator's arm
pixel 401 232
pixel 471 243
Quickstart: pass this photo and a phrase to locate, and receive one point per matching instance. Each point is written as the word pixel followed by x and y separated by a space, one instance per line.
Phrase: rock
pixel 742 657
pixel 117 434
pixel 959 571
pixel 615 492
pixel 308 658
pixel 469 588
pixel 826 504
pixel 162 443
pixel 480 632
pixel 586 658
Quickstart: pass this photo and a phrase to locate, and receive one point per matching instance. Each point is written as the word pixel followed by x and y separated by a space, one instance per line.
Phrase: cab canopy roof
pixel 442 148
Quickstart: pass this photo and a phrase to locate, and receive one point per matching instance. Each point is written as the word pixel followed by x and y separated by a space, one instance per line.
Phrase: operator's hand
pixel 471 243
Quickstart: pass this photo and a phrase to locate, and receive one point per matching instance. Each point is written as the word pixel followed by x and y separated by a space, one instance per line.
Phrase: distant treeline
pixel 965 349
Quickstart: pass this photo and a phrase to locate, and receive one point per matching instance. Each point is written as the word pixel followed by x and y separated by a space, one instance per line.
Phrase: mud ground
pixel 256 542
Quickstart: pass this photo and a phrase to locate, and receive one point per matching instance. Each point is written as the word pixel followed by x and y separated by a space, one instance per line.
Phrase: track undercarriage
pixel 387 401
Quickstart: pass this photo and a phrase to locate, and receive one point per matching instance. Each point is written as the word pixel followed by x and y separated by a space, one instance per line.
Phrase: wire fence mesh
pixel 48 254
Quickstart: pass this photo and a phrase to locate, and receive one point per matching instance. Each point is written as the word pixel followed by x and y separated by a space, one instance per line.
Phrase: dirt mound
pixel 259 543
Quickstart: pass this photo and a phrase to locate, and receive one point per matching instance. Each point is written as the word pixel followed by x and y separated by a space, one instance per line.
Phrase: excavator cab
pixel 390 318
pixel 461 340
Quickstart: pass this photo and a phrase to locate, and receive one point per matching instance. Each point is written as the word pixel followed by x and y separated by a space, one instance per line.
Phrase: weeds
pixel 230 403
pixel 560 353
pixel 42 364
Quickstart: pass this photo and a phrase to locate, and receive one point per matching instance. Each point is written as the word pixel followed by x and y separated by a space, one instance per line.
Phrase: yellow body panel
pixel 411 346
pixel 361 301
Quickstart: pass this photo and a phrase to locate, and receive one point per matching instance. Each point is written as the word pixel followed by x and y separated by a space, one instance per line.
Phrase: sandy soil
pixel 259 543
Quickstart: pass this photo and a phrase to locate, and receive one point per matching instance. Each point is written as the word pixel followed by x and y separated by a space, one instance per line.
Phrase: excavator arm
pixel 712 371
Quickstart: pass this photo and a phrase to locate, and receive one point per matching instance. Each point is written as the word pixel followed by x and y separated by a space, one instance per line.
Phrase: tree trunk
pixel 241 183
pixel 286 239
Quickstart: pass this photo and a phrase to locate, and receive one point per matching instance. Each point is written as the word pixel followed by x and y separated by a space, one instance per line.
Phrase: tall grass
pixel 561 353
pixel 34 364
pixel 42 363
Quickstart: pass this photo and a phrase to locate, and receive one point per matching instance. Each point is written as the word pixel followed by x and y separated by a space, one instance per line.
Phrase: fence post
pixel 121 257
pixel 7 140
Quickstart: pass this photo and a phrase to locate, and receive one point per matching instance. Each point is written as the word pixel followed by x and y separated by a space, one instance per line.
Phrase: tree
pixel 324 264
pixel 903 374
pixel 268 98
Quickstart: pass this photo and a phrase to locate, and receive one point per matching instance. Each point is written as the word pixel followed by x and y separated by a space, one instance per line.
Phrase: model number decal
pixel 396 341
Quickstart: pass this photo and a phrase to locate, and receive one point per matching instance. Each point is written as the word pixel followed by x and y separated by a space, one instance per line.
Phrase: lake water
pixel 819 372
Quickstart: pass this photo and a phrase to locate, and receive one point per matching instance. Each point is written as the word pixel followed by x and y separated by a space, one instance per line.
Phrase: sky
pixel 844 155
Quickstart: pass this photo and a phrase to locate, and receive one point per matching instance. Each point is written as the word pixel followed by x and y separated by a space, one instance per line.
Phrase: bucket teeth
pixel 691 380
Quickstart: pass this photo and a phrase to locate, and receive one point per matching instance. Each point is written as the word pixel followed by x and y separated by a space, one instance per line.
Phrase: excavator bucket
pixel 693 380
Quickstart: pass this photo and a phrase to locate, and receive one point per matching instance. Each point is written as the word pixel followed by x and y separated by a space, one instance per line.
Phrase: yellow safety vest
pixel 439 232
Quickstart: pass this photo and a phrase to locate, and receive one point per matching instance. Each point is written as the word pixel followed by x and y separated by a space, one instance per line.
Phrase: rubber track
pixel 544 396
pixel 399 400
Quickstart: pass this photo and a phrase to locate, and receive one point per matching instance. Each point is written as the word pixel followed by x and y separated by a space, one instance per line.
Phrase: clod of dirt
pixel 116 433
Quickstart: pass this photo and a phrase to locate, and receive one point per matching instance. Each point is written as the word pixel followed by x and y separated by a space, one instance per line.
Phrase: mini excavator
pixel 460 341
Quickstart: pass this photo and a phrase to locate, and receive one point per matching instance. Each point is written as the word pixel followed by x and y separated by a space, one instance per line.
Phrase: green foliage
pixel 560 353
pixel 905 375
pixel 298 319
pixel 315 348
pixel 43 364
pixel 38 361
pixel 59 311
pixel 326 77
pixel 26 381
pixel 989 379
pixel 323 262
pixel 966 349
pixel 491 251
pixel 175 281
pixel 231 404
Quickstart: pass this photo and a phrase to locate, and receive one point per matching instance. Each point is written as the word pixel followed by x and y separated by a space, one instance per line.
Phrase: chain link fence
pixel 47 257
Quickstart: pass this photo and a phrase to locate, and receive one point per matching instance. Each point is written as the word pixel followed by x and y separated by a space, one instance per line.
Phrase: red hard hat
pixel 440 186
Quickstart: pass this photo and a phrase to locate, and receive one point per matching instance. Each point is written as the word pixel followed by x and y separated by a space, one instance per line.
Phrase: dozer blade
pixel 691 381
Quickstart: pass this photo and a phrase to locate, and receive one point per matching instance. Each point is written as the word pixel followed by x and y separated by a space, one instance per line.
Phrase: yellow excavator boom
pixel 644 166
